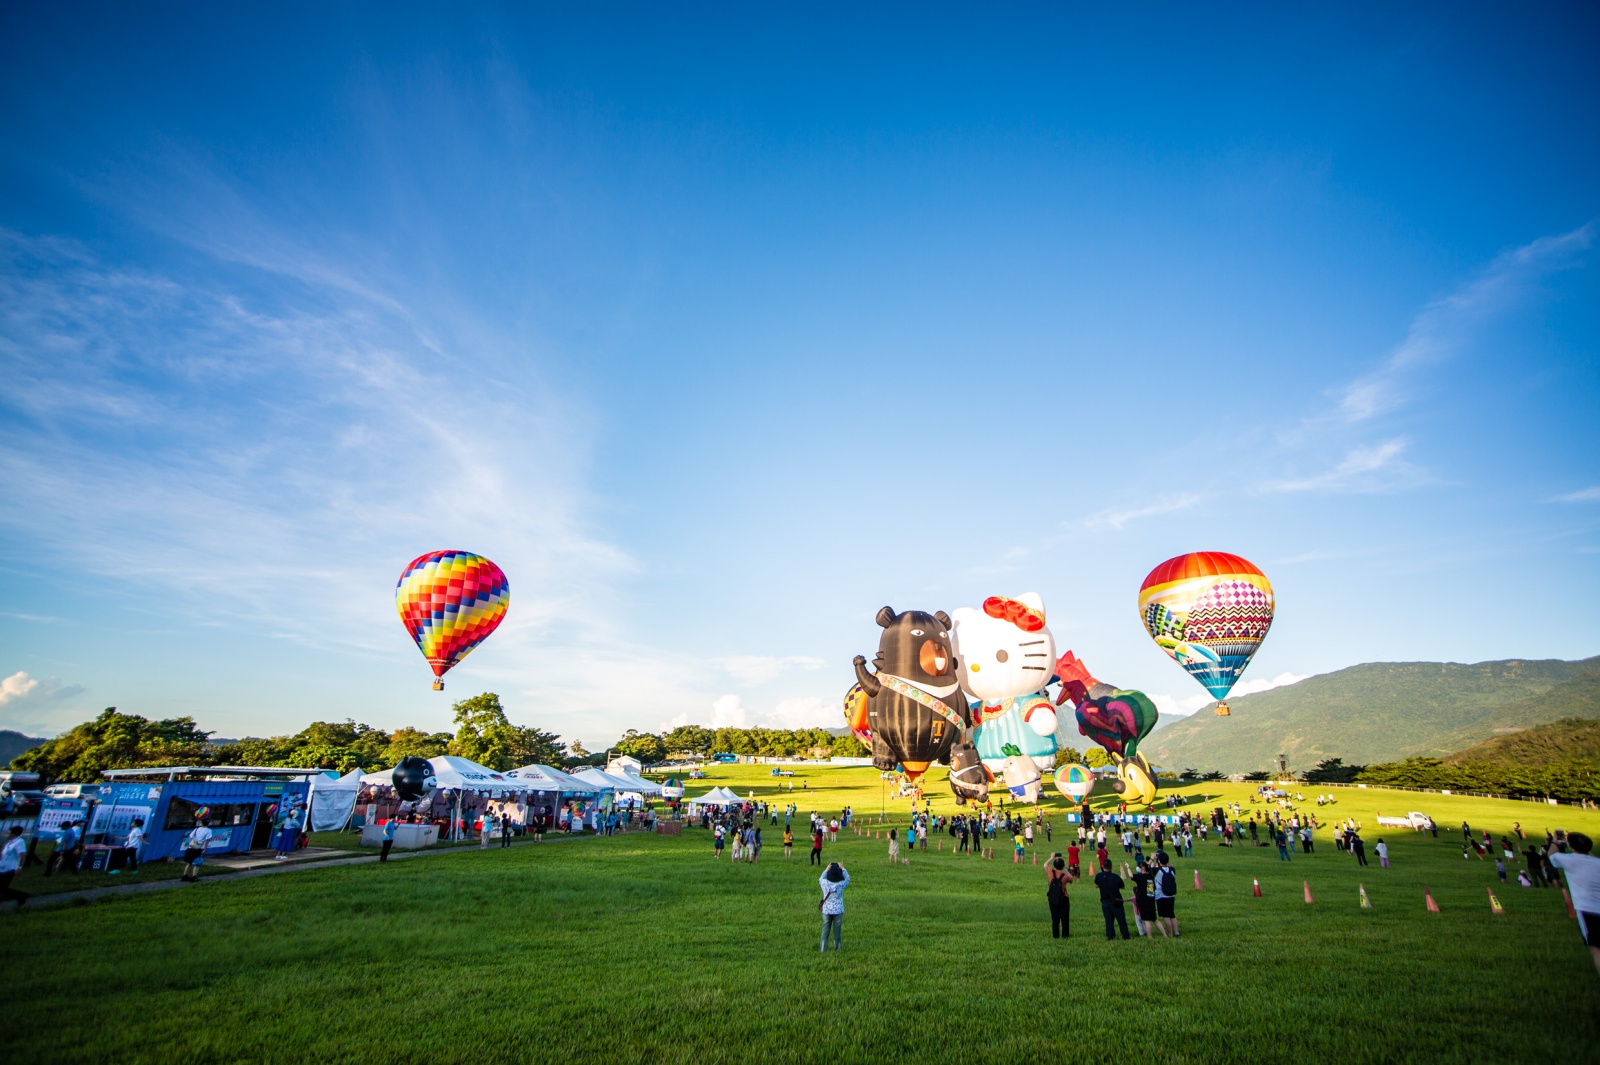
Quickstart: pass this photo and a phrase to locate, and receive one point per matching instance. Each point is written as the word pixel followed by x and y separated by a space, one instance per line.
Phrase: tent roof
pixel 453 772
pixel 615 781
pixel 549 778
pixel 639 784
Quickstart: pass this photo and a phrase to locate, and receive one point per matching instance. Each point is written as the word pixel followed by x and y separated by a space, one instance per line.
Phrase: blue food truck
pixel 239 803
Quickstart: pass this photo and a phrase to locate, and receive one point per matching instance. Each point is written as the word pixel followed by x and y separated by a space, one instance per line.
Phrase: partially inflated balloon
pixel 412 778
pixel 1209 611
pixel 1118 721
pixel 1074 780
pixel 450 601
pixel 855 713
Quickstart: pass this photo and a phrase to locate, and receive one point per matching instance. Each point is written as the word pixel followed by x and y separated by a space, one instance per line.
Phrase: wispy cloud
pixel 1117 519
pixel 1582 495
pixel 758 669
pixel 1440 329
pixel 33 705
pixel 1375 468
pixel 1189 705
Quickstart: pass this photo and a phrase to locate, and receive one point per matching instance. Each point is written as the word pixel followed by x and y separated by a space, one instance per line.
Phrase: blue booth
pixel 239 803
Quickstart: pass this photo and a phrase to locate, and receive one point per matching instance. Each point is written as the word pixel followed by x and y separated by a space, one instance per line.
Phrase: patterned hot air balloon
pixel 450 601
pixel 1209 611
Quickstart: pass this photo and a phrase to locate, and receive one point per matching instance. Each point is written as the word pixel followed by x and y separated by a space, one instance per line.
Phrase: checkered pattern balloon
pixel 1209 610
pixel 450 601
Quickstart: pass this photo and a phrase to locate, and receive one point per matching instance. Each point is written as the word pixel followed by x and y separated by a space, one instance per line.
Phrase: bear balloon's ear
pixel 942 618
pixel 886 616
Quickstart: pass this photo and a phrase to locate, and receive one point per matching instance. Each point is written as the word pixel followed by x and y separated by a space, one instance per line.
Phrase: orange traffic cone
pixel 1365 904
pixel 1255 887
pixel 1494 903
pixel 1035 859
pixel 1433 907
pixel 1307 883
pixel 939 845
pixel 1197 880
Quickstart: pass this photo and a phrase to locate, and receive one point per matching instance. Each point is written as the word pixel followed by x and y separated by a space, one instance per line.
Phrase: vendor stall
pixel 238 803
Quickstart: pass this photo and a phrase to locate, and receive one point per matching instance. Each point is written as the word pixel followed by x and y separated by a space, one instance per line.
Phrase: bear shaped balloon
pixel 1006 656
pixel 915 710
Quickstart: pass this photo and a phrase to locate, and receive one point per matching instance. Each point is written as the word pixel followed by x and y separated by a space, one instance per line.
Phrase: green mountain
pixel 1380 712
pixel 1571 739
pixel 14 743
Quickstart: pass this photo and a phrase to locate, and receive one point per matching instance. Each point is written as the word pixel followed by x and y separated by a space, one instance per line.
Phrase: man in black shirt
pixel 1110 885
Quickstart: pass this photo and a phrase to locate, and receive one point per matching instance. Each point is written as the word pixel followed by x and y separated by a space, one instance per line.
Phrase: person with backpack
pixel 833 882
pixel 1055 893
pixel 1110 885
pixel 1166 886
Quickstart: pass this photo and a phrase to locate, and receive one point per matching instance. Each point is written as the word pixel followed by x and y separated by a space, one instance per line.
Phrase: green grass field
pixel 642 948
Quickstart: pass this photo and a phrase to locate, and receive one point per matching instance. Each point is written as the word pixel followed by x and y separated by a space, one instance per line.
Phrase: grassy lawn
pixel 642 948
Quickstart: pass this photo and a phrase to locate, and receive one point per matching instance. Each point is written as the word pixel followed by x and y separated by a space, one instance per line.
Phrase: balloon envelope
pixel 1209 611
pixel 1074 780
pixel 450 601
pixel 855 713
pixel 1118 721
pixel 412 778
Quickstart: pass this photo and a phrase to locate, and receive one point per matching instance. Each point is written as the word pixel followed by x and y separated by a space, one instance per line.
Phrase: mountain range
pixel 1379 712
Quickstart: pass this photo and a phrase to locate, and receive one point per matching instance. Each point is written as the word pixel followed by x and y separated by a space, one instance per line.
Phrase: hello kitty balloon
pixel 1005 656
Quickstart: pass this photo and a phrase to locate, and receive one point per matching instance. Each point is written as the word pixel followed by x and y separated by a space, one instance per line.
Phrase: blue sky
pixel 718 329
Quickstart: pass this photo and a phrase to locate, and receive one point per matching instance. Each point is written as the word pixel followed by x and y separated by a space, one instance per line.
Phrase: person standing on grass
pixel 194 851
pixel 1166 885
pixel 788 842
pixel 1305 839
pixel 289 835
pixel 1055 893
pixel 833 881
pixel 894 847
pixel 1282 840
pixel 66 843
pixel 1110 885
pixel 388 840
pixel 1144 907
pixel 1073 853
pixel 1582 870
pixel 134 844
pixel 716 841
pixel 1382 850
pixel 816 846
pixel 1360 847
pixel 505 829
pixel 911 835
pixel 11 864
pixel 755 845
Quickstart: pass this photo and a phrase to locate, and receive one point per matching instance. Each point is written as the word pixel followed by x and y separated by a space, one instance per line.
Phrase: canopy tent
pixel 333 800
pixel 462 774
pixel 716 797
pixel 549 778
pixel 639 784
pixel 605 781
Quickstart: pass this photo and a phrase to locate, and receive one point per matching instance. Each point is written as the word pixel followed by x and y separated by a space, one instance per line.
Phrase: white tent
pixel 462 774
pixel 639 785
pixel 624 766
pixel 731 795
pixel 548 778
pixel 714 797
pixel 333 801
pixel 615 782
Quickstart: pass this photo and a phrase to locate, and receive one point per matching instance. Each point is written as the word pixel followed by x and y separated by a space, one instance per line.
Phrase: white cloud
pixel 1116 519
pixel 807 712
pixel 16 687
pixel 758 669
pixel 1376 468
pixel 1173 706
pixel 1254 685
pixel 1582 495
pixel 1443 326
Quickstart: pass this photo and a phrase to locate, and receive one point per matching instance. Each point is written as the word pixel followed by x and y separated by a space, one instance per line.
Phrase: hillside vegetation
pixel 1571 739
pixel 1381 712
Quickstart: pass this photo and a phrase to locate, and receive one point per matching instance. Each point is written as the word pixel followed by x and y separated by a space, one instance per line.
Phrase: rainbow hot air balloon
pixel 1209 611
pixel 1074 780
pixel 450 602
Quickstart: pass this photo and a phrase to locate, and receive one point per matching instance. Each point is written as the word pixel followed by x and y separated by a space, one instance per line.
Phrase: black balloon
pixel 413 778
pixel 968 777
pixel 915 708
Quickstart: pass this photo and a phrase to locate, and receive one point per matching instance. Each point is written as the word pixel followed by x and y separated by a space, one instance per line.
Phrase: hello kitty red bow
pixel 1019 614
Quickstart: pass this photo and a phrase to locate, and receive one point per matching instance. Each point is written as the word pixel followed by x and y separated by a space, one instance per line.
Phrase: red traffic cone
pixel 1566 898
pixel 1433 907
pixel 1197 880
pixel 1494 903
pixel 1035 859
pixel 1255 887
pixel 1307 883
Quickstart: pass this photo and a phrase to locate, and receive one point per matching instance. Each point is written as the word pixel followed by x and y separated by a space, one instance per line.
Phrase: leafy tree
pixel 414 743
pixel 1214 774
pixel 1095 758
pixel 1068 754
pixel 116 741
pixel 482 732
pixel 1332 771
pixel 645 746
pixel 850 747
pixel 529 746
pixel 1258 775
pixel 689 739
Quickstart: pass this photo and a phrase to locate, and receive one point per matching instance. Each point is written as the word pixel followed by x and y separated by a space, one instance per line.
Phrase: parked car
pixel 1420 822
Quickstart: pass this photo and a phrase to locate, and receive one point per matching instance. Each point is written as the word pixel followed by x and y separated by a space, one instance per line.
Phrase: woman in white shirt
pixel 134 844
